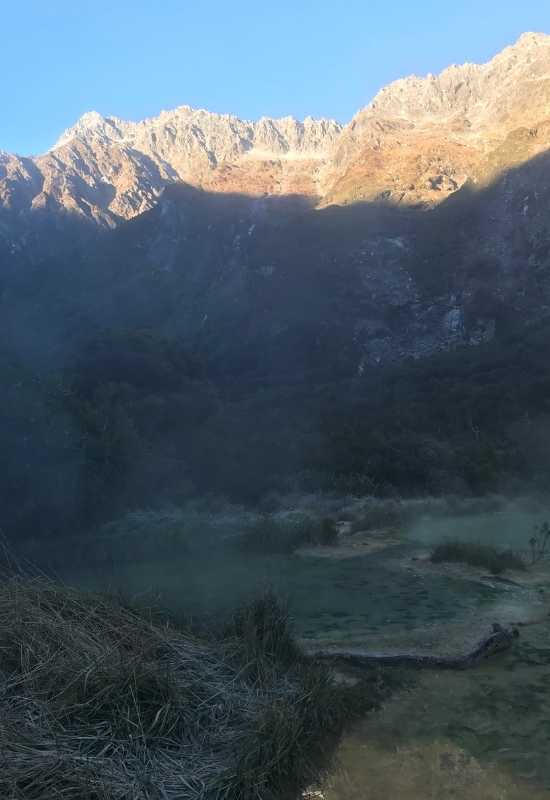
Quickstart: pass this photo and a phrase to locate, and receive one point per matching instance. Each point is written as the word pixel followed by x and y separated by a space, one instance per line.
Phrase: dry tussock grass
pixel 101 702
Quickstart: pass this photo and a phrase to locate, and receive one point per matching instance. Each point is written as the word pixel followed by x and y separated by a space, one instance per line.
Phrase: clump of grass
pixel 264 630
pixel 302 737
pixel 477 555
pixel 379 515
pixel 272 534
pixel 539 542
pixel 102 702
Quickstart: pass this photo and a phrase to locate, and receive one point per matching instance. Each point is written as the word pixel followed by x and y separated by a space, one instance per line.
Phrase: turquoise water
pixel 328 598
pixel 509 528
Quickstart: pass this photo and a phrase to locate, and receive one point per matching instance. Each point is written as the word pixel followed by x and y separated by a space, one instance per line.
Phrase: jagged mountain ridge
pixel 417 142
pixel 109 170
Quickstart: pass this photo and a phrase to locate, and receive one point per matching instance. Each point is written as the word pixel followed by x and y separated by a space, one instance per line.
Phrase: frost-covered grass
pixel 101 702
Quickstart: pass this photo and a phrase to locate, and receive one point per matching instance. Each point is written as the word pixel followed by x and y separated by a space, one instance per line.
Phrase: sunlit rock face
pixel 108 169
pixel 20 181
pixel 418 142
pixel 421 139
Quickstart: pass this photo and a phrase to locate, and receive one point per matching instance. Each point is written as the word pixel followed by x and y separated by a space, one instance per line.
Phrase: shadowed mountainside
pixel 264 289
pixel 214 334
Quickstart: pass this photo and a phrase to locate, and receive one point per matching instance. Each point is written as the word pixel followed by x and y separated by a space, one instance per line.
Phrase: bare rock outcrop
pixel 422 139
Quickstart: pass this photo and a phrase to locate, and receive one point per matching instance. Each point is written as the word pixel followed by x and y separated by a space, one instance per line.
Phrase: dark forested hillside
pixel 232 345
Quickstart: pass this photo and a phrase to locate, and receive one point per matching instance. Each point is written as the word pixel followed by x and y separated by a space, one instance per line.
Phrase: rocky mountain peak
pixel 419 140
pixel 531 38
pixel 90 125
pixel 108 168
pixel 222 134
pixel 422 138
pixel 468 89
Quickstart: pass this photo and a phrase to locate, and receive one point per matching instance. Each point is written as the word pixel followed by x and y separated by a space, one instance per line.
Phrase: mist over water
pixel 191 562
pixel 510 527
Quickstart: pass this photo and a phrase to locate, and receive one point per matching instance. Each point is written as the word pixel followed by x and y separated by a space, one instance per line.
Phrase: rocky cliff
pixel 422 139
pixel 108 170
pixel 417 142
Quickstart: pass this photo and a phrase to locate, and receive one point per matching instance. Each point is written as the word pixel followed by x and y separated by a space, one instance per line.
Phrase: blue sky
pixel 132 58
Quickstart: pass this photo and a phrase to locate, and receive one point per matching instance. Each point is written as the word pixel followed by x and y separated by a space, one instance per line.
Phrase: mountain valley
pixel 350 287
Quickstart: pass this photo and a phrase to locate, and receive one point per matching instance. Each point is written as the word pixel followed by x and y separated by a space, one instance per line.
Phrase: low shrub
pixel 477 555
pixel 539 541
pixel 271 534
pixel 379 515
pixel 355 484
